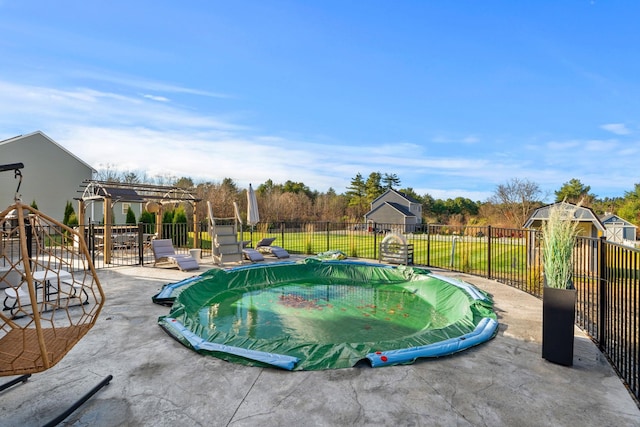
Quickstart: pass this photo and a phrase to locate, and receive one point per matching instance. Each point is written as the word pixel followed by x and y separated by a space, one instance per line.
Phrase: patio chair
pixel 163 252
pixel 265 246
pixel 250 253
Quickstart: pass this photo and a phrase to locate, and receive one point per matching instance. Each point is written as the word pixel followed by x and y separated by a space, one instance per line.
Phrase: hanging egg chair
pixel 49 287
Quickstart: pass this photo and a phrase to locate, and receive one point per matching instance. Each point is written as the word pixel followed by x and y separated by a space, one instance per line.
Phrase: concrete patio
pixel 158 382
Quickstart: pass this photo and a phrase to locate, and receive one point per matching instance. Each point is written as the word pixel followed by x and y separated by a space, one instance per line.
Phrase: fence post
pixel 375 241
pixel 428 245
pixel 282 227
pixel 602 265
pixel 141 243
pixel 328 242
pixel 489 233
pixel 92 241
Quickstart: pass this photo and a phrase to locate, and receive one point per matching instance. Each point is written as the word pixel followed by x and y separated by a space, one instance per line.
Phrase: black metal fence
pixel 606 275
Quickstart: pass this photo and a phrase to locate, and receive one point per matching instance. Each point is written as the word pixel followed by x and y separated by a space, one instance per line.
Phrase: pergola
pixel 155 197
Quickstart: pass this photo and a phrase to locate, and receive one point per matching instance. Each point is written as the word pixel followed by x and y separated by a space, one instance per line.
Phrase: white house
pixel 51 176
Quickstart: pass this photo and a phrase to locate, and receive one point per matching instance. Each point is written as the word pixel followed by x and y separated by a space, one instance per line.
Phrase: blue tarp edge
pixel 278 360
pixel 485 330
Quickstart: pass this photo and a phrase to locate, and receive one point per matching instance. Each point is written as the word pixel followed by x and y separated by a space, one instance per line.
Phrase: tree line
pixel 509 206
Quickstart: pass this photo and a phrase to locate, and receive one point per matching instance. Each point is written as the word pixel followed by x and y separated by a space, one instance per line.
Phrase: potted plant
pixel 559 234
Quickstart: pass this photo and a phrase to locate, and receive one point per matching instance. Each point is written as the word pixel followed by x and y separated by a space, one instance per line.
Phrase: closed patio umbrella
pixel 253 216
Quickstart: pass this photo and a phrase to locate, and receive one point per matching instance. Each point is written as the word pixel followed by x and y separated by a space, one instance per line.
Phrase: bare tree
pixel 108 173
pixel 516 199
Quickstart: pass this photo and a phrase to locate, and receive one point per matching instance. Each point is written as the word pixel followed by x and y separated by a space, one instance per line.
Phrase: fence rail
pixel 606 274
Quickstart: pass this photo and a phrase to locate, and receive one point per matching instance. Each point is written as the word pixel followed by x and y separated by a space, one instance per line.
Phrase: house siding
pixel 51 175
pixel 407 213
pixel 386 214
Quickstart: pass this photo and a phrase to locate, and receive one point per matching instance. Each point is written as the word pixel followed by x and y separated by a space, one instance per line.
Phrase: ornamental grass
pixel 559 234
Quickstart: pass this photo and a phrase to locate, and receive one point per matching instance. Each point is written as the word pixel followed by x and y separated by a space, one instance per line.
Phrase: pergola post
pixel 108 223
pixel 82 209
pixel 196 228
pixel 159 221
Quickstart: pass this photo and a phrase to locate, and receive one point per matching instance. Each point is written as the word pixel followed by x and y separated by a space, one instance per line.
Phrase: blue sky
pixel 454 97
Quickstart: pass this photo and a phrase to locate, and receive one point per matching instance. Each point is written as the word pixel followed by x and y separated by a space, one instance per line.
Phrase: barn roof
pixel 581 214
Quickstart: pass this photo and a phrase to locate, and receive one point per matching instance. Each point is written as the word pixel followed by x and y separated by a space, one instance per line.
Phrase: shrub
pixel 68 211
pixel 147 217
pixel 131 216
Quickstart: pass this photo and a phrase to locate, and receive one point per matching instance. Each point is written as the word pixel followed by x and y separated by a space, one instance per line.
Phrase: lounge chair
pixel 265 246
pixel 163 252
pixel 250 253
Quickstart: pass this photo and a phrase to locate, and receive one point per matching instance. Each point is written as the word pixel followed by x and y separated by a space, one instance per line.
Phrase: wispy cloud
pixel 617 128
pixel 468 139
pixel 156 98
pixel 143 84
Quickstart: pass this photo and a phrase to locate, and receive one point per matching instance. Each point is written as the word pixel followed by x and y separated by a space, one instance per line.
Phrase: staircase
pixel 224 239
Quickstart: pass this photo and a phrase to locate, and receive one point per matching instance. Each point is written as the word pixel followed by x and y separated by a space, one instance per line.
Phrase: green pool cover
pixel 315 314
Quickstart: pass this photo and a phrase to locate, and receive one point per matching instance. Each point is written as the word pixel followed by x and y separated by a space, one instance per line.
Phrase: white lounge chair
pixel 163 252
pixel 265 246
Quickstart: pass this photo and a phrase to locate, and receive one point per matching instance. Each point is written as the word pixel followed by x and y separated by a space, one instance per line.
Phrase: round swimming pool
pixel 326 314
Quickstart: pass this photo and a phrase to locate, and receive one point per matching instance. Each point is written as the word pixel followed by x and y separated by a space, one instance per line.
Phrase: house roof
pixel 406 196
pixel 42 134
pixel 121 194
pixel 582 214
pixel 398 207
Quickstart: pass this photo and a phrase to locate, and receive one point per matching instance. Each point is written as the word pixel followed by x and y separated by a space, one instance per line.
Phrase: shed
pixel 617 229
pixel 590 225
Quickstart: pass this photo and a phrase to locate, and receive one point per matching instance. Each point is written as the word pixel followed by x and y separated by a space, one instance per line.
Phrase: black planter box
pixel 558 319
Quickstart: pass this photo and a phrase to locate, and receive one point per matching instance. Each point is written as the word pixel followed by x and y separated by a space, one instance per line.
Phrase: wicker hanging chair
pixel 50 290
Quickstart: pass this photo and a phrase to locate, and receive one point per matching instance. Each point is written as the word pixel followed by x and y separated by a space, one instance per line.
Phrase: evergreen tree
pixel 73 220
pixel 575 192
pixel 68 211
pixel 167 217
pixel 356 194
pixel 390 180
pixel 373 186
pixel 179 223
pixel 131 216
pixel 184 182
pixel 147 217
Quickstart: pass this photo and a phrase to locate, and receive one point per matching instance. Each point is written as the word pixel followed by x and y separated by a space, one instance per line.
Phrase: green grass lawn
pixel 469 255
